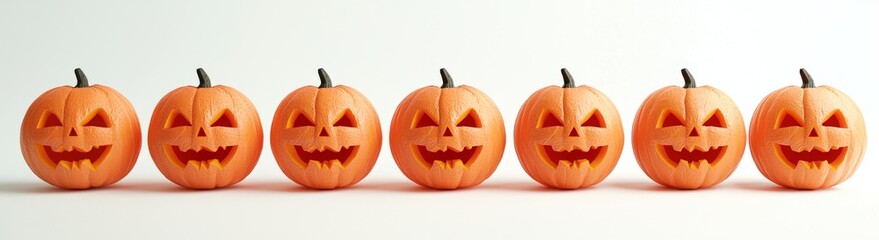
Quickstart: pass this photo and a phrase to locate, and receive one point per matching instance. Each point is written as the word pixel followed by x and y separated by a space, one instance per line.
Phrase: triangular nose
pixel 324 133
pixel 813 133
pixel 72 133
pixel 447 133
pixel 201 133
pixel 694 133
pixel 573 133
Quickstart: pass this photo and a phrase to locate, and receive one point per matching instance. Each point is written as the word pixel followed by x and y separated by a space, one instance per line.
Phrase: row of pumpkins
pixel 445 137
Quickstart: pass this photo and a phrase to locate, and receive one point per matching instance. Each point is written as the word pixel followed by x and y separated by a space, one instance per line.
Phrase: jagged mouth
pixel 691 157
pixel 203 158
pixel 78 158
pixel 573 158
pixel 447 157
pixel 812 157
pixel 325 157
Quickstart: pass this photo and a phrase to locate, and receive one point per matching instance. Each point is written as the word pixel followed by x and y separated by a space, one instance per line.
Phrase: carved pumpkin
pixel 205 137
pixel 447 137
pixel 807 137
pixel 326 137
pixel 80 137
pixel 690 137
pixel 568 137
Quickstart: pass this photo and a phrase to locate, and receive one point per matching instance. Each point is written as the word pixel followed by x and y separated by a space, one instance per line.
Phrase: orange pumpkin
pixel 568 137
pixel 326 137
pixel 807 137
pixel 447 137
pixel 80 137
pixel 690 137
pixel 205 137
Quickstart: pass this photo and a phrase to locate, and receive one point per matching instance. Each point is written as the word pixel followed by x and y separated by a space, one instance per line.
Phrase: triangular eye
pixel 594 121
pixel 470 120
pixel 672 120
pixel 716 120
pixel 178 120
pixel 98 120
pixel 550 120
pixel 789 121
pixel 347 120
pixel 49 120
pixel 302 121
pixel 425 121
pixel 226 119
pixel 835 120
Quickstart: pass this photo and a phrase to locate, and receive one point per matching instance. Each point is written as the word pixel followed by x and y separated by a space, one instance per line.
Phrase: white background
pixel 386 49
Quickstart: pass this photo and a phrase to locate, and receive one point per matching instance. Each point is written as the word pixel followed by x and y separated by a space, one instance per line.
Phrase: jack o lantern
pixel 568 137
pixel 688 137
pixel 205 137
pixel 807 137
pixel 326 137
pixel 447 137
pixel 80 137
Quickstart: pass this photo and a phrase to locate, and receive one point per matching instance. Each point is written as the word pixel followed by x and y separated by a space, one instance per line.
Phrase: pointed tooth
pixel 65 164
pixel 565 163
pixel 335 163
pixel 192 164
pixel 457 163
pixel 677 148
pixel 313 164
pixel 583 162
pixel 215 163
pixel 87 163
pixel 683 163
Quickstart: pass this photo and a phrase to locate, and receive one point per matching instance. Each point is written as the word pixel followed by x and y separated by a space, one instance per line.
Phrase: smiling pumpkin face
pixel 690 137
pixel 807 137
pixel 80 137
pixel 326 137
pixel 447 137
pixel 205 137
pixel 568 137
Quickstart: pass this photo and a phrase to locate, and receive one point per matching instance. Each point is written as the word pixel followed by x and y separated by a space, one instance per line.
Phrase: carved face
pixel 688 138
pixel 807 137
pixel 447 138
pixel 80 137
pixel 205 137
pixel 326 137
pixel 568 137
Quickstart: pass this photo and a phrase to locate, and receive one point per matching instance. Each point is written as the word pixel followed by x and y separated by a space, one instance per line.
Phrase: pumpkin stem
pixel 807 79
pixel 325 81
pixel 569 81
pixel 203 80
pixel 689 82
pixel 447 79
pixel 81 80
